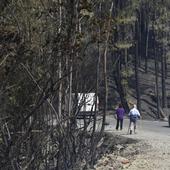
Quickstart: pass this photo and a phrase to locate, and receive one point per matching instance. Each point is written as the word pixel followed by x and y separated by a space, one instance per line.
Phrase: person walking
pixel 134 115
pixel 120 112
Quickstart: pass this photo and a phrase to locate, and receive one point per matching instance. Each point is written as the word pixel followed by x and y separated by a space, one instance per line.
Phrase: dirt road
pixel 154 133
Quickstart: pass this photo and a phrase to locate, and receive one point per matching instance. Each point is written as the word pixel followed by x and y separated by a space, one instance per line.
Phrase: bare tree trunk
pixel 146 48
pixel 105 69
pixel 60 89
pixel 156 80
pixel 93 140
pixel 164 71
pixel 137 69
pixel 120 88
pixel 164 97
pixel 60 66
pixel 139 37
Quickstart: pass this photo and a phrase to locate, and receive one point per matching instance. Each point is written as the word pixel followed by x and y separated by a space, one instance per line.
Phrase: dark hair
pixel 120 105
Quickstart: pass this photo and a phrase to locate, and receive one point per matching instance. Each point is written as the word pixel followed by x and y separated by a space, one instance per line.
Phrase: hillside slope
pixel 148 91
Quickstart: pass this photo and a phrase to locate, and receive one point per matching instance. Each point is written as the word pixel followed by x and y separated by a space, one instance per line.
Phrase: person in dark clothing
pixel 120 112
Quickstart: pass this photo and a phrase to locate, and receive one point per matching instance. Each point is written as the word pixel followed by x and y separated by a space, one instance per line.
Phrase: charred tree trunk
pixel 146 47
pixel 120 88
pixel 137 69
pixel 156 77
pixel 105 68
pixel 93 140
pixel 164 98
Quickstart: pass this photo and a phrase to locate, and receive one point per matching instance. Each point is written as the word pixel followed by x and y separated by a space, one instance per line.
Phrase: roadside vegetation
pixel 52 49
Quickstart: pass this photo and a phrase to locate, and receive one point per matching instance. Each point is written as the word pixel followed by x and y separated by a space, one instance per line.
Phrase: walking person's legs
pixel 131 126
pixel 121 124
pixel 117 125
pixel 135 127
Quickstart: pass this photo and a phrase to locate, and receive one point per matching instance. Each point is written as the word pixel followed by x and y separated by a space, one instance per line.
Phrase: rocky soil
pixel 123 155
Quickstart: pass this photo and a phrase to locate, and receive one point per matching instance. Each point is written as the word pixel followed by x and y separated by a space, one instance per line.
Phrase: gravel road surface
pixel 154 133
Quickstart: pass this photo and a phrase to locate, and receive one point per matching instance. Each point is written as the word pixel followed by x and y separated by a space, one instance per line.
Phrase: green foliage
pixel 126 73
pixel 85 12
pixel 125 20
pixel 123 45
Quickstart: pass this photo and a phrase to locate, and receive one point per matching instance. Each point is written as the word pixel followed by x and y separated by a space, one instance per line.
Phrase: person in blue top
pixel 134 115
pixel 120 112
